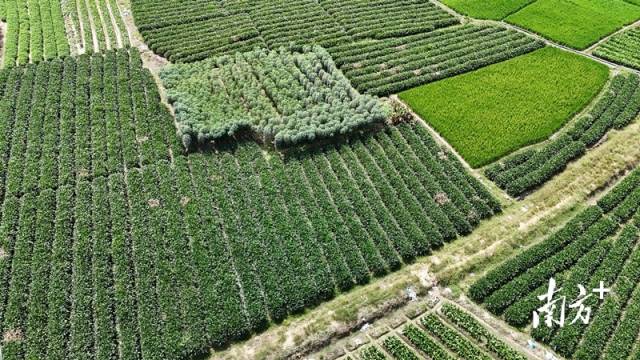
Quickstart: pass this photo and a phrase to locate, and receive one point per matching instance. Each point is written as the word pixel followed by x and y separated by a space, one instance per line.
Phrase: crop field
pixel 528 98
pixel 623 48
pixel 318 179
pixel 445 331
pixel 599 244
pixel 35 31
pixel 576 23
pixel 388 66
pixel 488 9
pixel 526 170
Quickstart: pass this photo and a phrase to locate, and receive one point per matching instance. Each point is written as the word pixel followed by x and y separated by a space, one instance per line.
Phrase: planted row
pixel 181 254
pixel 76 118
pixel 388 66
pixel 35 32
pixel 597 246
pixel 104 17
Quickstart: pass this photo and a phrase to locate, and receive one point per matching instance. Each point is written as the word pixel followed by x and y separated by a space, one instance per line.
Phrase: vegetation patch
pixel 286 97
pixel 526 170
pixel 35 31
pixel 506 106
pixel 576 23
pixel 487 9
pixel 379 19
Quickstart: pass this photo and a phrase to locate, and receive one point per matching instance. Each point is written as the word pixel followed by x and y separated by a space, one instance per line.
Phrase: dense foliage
pixel 615 109
pixel 105 18
pixel 286 97
pixel 79 118
pixel 508 105
pixel 597 245
pixel 622 48
pixel 383 67
pixel 35 31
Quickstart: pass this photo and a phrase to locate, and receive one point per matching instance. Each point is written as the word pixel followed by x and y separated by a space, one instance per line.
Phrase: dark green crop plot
pixel 117 245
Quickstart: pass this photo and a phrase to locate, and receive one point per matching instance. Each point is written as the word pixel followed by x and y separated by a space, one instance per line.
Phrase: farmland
pixel 163 198
pixel 622 48
pixel 445 332
pixel 95 25
pixel 543 98
pixel 530 168
pixel 577 24
pixel 493 9
pixel 597 245
pixel 35 31
pixel 317 179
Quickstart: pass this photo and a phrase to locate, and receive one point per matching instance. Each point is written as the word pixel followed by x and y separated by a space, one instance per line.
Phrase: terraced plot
pixel 623 48
pixel 526 170
pixel 506 106
pixel 599 244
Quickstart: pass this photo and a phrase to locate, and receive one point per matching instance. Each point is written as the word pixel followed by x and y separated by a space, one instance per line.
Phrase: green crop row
pixel 622 48
pixel 35 32
pixel 617 108
pixel 185 36
pixel 392 65
pixel 585 252
pixel 452 339
pixel 478 332
pixel 79 117
pixel 398 349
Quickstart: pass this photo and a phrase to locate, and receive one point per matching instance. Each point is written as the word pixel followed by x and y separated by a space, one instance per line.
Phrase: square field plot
pixel 487 9
pixel 576 23
pixel 494 111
